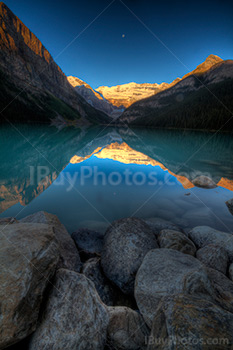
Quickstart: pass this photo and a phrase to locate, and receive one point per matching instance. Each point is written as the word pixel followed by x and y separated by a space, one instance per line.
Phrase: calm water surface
pixel 90 177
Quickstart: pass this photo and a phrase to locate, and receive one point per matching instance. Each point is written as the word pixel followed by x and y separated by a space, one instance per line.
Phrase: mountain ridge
pixel 200 101
pixel 94 98
pixel 25 64
pixel 127 94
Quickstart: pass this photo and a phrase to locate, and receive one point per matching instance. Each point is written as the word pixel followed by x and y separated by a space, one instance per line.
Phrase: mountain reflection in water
pixel 172 158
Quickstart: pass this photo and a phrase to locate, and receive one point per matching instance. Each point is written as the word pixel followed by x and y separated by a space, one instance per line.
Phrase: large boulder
pixel 126 330
pixel 167 272
pixel 205 235
pixel 204 182
pixel 74 316
pixel 230 272
pixel 158 224
pixel 213 256
pixel 223 288
pixel 28 258
pixel 88 242
pixel 171 239
pixel 230 205
pixel 126 242
pixel 69 256
pixel 185 322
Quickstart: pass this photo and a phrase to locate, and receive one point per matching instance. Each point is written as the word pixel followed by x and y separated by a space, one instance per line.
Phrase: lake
pixel 90 177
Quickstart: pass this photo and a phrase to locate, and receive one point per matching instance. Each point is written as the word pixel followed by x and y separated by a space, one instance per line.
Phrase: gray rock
pixel 109 293
pixel 74 316
pixel 157 225
pixel 230 205
pixel 223 288
pixel 88 242
pixel 204 182
pixel 213 256
pixel 126 330
pixel 167 272
pixel 28 258
pixel 185 322
pixel 176 240
pixel 92 270
pixel 230 272
pixel 205 235
pixel 69 256
pixel 126 242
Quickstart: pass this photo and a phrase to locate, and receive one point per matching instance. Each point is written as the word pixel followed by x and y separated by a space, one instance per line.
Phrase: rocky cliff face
pixel 127 94
pixel 95 98
pixel 199 101
pixel 26 64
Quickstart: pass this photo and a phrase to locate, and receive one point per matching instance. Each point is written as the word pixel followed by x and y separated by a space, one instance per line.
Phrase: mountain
pixel 33 81
pixel 127 94
pixel 202 100
pixel 95 98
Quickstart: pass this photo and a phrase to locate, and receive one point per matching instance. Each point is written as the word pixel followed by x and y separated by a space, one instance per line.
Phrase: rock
pixel 69 256
pixel 126 242
pixel 200 217
pixel 185 322
pixel 126 330
pixel 230 272
pixel 88 242
pixel 204 182
pixel 157 225
pixel 230 205
pixel 213 256
pixel 205 235
pixel 28 258
pixel 74 316
pixel 92 270
pixel 7 221
pixel 176 240
pixel 223 288
pixel 165 272
pixel 109 293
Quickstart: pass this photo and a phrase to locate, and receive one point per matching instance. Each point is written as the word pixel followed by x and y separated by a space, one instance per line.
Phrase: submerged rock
pixel 176 240
pixel 204 182
pixel 185 322
pixel 205 235
pixel 126 330
pixel 165 272
pixel 213 256
pixel 8 221
pixel 88 242
pixel 230 205
pixel 126 242
pixel 69 256
pixel 74 316
pixel 28 258
pixel 157 225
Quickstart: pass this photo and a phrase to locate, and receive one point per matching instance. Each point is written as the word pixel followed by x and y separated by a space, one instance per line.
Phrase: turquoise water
pixel 90 177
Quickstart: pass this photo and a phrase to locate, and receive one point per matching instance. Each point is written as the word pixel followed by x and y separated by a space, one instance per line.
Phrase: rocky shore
pixel 141 285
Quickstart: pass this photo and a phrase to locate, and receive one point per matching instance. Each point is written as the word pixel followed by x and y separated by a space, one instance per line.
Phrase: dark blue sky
pixel 101 56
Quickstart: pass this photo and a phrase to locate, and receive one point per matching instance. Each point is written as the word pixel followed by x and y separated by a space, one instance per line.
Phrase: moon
pixel 123 35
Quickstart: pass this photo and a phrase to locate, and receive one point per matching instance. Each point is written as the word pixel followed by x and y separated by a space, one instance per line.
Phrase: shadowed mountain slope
pixel 30 77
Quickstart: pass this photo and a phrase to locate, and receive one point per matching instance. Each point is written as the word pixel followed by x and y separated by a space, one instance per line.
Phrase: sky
pixel 109 42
